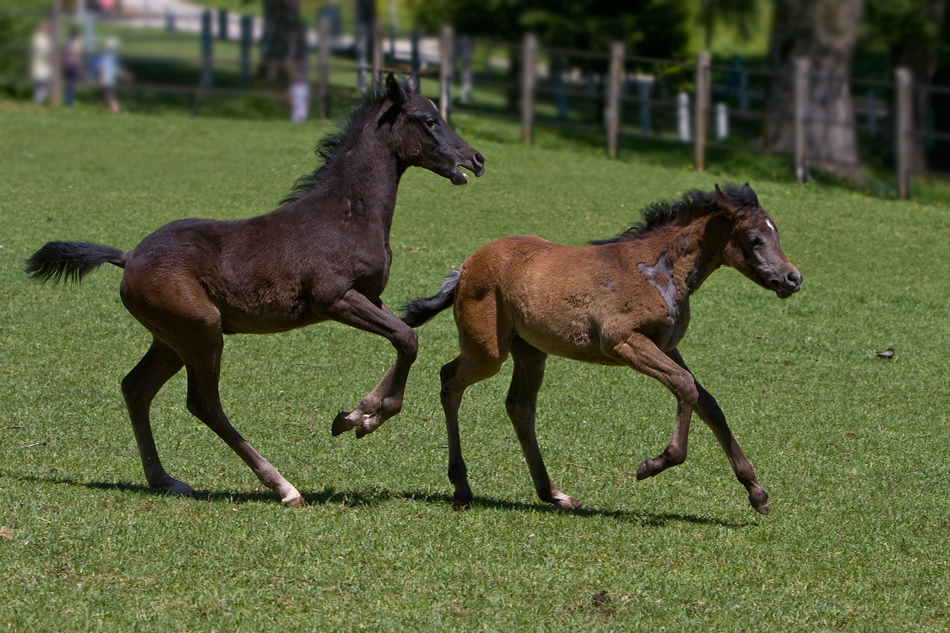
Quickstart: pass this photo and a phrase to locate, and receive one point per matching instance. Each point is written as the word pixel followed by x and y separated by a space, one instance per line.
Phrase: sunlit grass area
pixel 851 447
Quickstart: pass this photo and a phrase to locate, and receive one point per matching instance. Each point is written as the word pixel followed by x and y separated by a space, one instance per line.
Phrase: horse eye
pixel 755 241
pixel 431 123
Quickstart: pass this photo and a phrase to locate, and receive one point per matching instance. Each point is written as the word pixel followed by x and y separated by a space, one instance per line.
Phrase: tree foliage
pixel 652 28
pixel 18 20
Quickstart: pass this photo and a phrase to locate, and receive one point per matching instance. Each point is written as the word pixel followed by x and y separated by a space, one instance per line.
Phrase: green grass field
pixel 852 448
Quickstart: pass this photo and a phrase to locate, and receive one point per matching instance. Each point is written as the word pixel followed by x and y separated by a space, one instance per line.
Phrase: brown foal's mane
pixel 693 204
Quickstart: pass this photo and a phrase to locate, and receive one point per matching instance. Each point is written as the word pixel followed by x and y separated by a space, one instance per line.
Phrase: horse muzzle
pixel 476 165
pixel 788 285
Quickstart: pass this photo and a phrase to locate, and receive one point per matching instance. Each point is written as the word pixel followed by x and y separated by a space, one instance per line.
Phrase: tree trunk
pixel 284 49
pixel 920 55
pixel 824 32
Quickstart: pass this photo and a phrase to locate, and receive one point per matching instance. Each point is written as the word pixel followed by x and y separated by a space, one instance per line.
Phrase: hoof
pixel 569 503
pixel 759 499
pixel 462 502
pixel 294 502
pixel 176 488
pixel 368 426
pixel 341 424
pixel 644 471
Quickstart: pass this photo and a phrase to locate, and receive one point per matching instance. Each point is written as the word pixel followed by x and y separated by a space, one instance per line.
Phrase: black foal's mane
pixel 329 147
pixel 693 204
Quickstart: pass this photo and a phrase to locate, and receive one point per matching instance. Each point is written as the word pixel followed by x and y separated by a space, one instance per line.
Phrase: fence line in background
pixel 695 114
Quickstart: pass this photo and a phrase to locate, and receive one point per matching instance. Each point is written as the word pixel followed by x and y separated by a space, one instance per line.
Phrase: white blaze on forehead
pixel 433 104
pixel 769 222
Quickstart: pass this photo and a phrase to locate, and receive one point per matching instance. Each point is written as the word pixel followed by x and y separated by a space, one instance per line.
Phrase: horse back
pixel 216 271
pixel 574 302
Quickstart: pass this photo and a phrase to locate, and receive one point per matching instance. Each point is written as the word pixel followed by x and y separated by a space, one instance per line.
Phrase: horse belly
pixel 561 325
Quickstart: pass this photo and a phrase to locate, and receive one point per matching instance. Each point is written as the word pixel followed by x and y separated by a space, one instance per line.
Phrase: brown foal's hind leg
pixel 456 377
pixel 710 412
pixel 203 363
pixel 385 400
pixel 139 387
pixel 521 404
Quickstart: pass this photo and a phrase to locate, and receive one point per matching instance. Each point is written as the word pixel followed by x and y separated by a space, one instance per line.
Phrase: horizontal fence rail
pixel 611 93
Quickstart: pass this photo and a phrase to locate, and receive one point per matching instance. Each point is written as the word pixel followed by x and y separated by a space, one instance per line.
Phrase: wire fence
pixel 206 61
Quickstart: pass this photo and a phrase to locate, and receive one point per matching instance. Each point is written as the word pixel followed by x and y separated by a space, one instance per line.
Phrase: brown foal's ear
pixel 749 194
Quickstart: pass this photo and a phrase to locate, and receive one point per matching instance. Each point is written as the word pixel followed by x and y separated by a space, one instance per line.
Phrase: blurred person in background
pixel 299 96
pixel 107 73
pixel 72 65
pixel 41 62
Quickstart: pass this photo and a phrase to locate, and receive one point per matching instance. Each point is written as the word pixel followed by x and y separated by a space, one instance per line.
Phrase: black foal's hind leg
pixel 521 404
pixel 203 363
pixel 139 387
pixel 710 413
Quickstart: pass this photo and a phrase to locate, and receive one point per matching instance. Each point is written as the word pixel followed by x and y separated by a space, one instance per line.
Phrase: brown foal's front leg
pixel 640 353
pixel 385 400
pixel 710 412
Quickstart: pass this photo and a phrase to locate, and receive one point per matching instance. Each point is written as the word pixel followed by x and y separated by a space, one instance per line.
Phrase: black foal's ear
pixel 412 84
pixel 395 90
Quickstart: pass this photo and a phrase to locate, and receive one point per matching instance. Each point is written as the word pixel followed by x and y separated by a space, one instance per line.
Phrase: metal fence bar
pixel 702 110
pixel 528 77
pixel 904 130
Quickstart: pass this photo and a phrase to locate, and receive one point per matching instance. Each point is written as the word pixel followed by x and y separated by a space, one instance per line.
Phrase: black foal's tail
pixel 418 311
pixel 70 261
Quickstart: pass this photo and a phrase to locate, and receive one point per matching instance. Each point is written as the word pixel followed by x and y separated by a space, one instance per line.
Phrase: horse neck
pixel 362 178
pixel 696 250
pixel 371 173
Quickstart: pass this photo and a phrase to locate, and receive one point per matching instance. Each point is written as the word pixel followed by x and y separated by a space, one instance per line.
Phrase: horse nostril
pixel 794 278
pixel 479 159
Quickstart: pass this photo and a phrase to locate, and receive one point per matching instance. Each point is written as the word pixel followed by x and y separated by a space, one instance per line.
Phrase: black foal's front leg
pixel 385 400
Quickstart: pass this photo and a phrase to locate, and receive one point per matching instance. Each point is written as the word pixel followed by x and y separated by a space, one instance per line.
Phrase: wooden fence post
pixel 614 94
pixel 55 82
pixel 445 71
pixel 362 41
pixel 377 41
pixel 223 25
pixel 323 66
pixel 207 48
pixel 528 72
pixel 466 79
pixel 905 128
pixel 247 34
pixel 801 112
pixel 701 110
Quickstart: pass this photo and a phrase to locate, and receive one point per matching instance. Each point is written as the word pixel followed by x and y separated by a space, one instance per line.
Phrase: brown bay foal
pixel 324 254
pixel 623 301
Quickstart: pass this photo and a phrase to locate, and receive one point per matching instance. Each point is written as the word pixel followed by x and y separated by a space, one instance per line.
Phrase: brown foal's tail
pixel 70 261
pixel 418 311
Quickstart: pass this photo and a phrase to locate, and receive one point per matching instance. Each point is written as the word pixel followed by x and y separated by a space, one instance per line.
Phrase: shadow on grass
pixel 369 497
